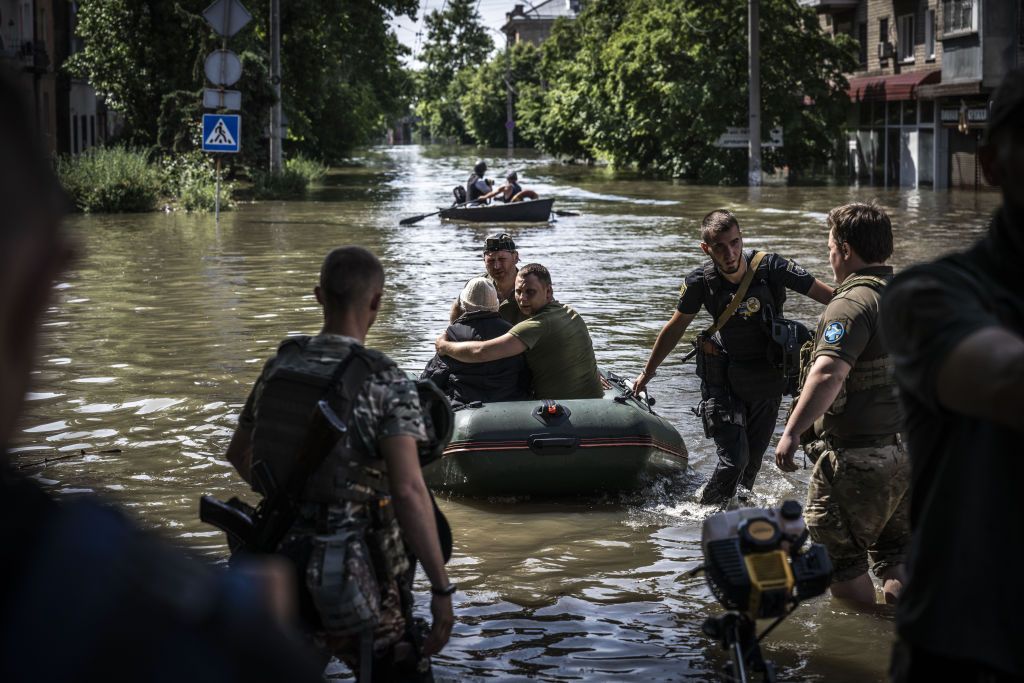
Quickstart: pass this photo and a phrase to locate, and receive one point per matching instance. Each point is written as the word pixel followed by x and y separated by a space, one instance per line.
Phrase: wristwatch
pixel 443 592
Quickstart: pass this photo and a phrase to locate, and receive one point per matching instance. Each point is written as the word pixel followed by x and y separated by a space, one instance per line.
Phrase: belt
pixel 835 442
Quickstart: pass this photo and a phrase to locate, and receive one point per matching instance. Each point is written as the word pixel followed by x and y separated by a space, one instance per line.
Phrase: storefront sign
pixel 950 116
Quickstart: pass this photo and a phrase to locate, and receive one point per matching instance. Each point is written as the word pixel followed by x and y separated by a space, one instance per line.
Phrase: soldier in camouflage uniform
pixel 858 499
pixel 378 471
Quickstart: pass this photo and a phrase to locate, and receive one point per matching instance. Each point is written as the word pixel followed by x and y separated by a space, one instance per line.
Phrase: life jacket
pixel 865 375
pixel 752 371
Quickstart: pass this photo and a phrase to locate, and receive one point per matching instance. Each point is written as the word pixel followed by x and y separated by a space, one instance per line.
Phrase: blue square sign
pixel 222 132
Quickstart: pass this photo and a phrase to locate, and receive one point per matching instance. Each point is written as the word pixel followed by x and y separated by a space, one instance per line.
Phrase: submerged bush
pixel 191 180
pixel 288 183
pixel 310 169
pixel 110 180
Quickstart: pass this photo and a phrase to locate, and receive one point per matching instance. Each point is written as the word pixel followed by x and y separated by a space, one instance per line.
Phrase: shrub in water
pixel 110 180
pixel 191 180
pixel 288 183
pixel 312 170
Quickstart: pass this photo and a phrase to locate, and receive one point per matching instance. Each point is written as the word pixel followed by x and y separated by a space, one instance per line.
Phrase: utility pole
pixel 275 80
pixel 509 120
pixel 754 120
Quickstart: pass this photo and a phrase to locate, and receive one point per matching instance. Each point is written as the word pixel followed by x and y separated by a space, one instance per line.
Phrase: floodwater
pixel 157 334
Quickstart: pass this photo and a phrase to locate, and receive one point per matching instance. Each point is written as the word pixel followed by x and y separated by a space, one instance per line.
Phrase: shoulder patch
pixel 834 331
pixel 796 269
pixel 682 290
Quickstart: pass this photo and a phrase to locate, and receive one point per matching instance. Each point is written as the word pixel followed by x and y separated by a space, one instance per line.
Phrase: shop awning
pixel 888 88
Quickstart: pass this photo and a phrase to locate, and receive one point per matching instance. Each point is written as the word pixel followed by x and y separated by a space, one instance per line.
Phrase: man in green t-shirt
pixel 554 338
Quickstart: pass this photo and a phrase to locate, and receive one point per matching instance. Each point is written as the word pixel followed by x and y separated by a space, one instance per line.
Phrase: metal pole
pixel 275 80
pixel 509 120
pixel 216 201
pixel 754 121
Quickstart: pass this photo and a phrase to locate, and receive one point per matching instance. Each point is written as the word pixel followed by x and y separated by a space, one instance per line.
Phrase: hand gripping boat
pixel 557 448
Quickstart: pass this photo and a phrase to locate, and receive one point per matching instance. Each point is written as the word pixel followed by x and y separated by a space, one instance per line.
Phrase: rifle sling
pixel 752 267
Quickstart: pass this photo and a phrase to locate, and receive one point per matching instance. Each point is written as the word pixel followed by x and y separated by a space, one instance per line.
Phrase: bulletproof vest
pixel 745 336
pixel 293 386
pixel 874 374
pixel 499 380
pixel 472 191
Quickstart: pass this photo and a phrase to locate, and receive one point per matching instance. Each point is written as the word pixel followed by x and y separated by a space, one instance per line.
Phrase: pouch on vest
pixel 712 361
pixel 788 336
pixel 755 380
pixel 341 582
pixel 438 421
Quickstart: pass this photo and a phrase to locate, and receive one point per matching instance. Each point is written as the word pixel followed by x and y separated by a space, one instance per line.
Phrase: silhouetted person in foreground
pixel 84 594
pixel 955 329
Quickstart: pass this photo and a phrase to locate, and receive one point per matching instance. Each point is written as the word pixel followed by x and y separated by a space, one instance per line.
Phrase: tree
pixel 456 42
pixel 484 102
pixel 653 84
pixel 342 76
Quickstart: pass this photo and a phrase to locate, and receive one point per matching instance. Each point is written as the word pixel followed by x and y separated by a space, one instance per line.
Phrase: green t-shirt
pixel 508 309
pixel 560 353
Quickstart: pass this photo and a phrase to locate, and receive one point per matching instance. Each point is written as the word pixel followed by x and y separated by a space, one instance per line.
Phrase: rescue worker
pixel 858 499
pixel 955 329
pixel 347 505
pixel 477 185
pixel 507 379
pixel 500 259
pixel 555 339
pixel 741 385
pixel 85 595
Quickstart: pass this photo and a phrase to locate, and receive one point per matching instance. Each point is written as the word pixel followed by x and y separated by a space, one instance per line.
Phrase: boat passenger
pixel 511 191
pixel 500 259
pixel 477 319
pixel 554 338
pixel 477 186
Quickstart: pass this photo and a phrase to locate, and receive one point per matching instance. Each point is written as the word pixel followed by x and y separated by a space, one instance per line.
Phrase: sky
pixel 492 13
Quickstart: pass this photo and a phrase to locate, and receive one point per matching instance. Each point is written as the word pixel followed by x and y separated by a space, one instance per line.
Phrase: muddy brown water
pixel 157 334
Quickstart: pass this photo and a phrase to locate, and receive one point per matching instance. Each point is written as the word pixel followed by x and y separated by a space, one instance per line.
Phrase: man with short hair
pixel 557 344
pixel 858 500
pixel 955 329
pixel 741 388
pixel 85 595
pixel 500 259
pixel 356 488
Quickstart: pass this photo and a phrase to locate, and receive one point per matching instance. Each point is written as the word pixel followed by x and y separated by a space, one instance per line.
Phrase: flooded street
pixel 159 331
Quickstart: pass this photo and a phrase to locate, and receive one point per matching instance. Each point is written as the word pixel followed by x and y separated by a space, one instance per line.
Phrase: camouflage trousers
pixel 858 507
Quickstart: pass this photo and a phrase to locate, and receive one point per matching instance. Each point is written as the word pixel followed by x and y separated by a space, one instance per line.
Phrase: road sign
pixel 222 99
pixel 510 124
pixel 223 67
pixel 735 138
pixel 222 132
pixel 227 17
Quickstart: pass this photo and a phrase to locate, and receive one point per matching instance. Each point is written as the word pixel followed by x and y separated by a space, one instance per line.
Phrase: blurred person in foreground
pixel 955 329
pixel 84 594
pixel 858 499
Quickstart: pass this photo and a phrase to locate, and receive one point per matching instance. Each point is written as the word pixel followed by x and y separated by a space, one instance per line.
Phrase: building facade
pixel 919 101
pixel 36 37
pixel 531 23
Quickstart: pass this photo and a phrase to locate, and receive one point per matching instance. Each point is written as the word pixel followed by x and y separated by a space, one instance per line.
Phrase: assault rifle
pixel 261 529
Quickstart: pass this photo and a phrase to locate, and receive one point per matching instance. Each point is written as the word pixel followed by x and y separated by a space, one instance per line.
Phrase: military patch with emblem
pixel 796 269
pixel 834 331
pixel 753 305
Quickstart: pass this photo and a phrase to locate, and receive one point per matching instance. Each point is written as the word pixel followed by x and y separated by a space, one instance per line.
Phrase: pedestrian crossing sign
pixel 222 132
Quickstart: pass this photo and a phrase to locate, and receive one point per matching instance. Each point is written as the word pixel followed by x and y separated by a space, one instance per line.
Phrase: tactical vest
pixel 472 191
pixel 865 375
pixel 745 336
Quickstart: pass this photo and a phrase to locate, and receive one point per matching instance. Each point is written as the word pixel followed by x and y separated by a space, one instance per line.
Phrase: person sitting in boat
pixel 554 339
pixel 475 318
pixel 477 185
pixel 511 191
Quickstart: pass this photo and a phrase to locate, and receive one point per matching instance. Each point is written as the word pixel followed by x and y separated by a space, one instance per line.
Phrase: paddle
pixel 416 219
pixel 563 214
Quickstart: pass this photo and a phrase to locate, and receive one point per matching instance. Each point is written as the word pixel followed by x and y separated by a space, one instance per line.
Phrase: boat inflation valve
pixel 549 411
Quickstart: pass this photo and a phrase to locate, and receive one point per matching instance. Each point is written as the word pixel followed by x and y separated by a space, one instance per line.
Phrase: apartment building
pixel 919 101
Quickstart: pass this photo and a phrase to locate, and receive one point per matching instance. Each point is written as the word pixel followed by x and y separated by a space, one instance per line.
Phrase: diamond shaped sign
pixel 227 17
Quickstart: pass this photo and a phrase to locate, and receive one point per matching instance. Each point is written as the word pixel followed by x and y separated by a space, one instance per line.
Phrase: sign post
pixel 223 68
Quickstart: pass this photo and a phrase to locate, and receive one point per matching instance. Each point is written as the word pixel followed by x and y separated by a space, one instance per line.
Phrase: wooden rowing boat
pixel 527 211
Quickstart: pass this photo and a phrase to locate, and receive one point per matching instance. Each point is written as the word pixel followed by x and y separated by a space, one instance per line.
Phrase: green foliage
pixel 457 44
pixel 190 179
pixel 310 169
pixel 288 184
pixel 342 78
pixel 110 180
pixel 653 84
pixel 484 103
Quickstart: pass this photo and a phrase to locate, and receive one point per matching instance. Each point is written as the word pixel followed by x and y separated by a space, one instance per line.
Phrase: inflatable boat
pixel 558 448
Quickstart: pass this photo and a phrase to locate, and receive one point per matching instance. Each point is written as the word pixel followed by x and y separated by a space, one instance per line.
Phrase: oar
pixel 565 213
pixel 416 219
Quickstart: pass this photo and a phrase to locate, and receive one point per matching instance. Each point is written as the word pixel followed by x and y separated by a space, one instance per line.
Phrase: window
pixel 905 42
pixel 74 134
pixel 929 34
pixel 862 38
pixel 959 16
pixel 884 46
pixel 85 128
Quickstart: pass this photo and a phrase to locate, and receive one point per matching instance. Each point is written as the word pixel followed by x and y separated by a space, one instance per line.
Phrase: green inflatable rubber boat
pixel 558 448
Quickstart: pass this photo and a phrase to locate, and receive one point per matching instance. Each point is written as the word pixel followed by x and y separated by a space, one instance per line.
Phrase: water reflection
pixel 158 334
